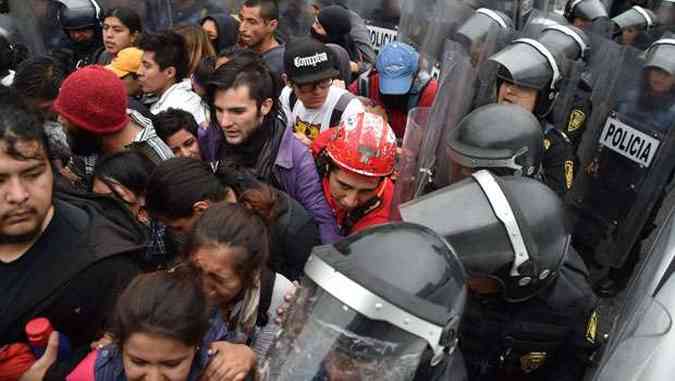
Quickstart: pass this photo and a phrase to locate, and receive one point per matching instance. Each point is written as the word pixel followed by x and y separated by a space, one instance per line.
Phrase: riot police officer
pixel 531 314
pixel 504 138
pixel 485 26
pixel 383 304
pixel 81 22
pixel 531 74
pixel 629 165
pixel 632 26
pixel 583 13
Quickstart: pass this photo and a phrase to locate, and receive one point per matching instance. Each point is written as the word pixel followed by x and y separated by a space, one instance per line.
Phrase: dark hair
pixel 170 50
pixel 166 303
pixel 234 51
pixel 170 121
pixel 39 78
pixel 269 10
pixel 131 169
pixel 177 184
pixel 244 70
pixel 237 227
pixel 18 123
pixel 204 70
pixel 129 17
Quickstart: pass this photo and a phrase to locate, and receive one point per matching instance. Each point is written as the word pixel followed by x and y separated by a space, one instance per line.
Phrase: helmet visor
pixel 322 339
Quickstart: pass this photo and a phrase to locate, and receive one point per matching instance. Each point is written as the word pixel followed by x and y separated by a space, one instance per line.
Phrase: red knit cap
pixel 93 99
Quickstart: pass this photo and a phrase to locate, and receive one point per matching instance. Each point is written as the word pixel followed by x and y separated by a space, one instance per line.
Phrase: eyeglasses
pixel 307 87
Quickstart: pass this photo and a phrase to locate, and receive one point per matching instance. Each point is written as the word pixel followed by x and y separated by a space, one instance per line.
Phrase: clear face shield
pixel 324 340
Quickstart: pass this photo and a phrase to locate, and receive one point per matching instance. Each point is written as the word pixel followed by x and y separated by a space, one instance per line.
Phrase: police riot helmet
pixel 528 63
pixel 483 25
pixel 636 17
pixel 585 9
pixel 79 14
pixel 567 41
pixel 513 234
pixel 382 303
pixel 498 136
pixel 661 55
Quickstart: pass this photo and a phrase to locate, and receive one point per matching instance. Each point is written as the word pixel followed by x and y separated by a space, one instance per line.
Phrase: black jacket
pixel 549 337
pixel 82 261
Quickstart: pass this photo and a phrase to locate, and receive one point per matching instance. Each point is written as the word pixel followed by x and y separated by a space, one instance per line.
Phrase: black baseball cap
pixel 307 60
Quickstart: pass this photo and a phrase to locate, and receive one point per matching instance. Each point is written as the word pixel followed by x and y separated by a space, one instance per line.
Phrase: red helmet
pixel 364 144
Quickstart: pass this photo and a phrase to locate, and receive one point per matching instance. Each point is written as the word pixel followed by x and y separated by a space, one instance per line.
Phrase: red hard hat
pixel 364 144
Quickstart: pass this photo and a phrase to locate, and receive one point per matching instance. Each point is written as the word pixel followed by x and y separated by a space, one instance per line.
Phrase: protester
pixel 37 81
pixel 126 66
pixel 230 245
pixel 242 98
pixel 311 104
pixel 396 85
pixel 178 129
pixel 332 25
pixel 197 44
pixel 181 190
pixel 222 29
pixel 163 327
pixel 123 176
pixel 359 31
pixel 92 107
pixel 59 260
pixel 121 28
pixel 259 20
pixel 164 71
pixel 355 161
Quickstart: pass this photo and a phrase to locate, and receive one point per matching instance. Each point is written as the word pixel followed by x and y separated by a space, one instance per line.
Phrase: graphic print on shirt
pixel 308 129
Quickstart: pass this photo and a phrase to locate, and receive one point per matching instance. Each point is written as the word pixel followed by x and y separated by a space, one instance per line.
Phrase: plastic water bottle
pixel 38 331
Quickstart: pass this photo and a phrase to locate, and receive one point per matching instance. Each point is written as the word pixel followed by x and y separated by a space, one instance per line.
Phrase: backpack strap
pixel 340 108
pixel 292 100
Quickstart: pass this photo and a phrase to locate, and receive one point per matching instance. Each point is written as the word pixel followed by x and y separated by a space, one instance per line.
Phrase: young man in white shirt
pixel 310 102
pixel 163 72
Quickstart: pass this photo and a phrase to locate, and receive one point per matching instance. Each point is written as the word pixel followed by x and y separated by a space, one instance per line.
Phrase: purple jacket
pixel 295 168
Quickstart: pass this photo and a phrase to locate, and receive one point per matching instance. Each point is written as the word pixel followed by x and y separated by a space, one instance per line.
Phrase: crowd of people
pixel 218 201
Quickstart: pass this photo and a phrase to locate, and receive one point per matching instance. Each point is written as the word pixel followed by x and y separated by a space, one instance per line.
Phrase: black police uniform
pixel 549 337
pixel 75 15
pixel 559 161
pixel 531 313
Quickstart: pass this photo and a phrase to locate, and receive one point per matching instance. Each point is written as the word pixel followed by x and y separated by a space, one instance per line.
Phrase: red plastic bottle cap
pixel 38 331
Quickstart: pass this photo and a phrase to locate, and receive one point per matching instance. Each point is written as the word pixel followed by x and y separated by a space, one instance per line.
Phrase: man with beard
pixel 51 265
pixel 258 22
pixel 396 85
pixel 92 107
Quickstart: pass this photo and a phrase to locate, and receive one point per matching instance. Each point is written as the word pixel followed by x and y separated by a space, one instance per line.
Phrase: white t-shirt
pixel 180 96
pixel 313 121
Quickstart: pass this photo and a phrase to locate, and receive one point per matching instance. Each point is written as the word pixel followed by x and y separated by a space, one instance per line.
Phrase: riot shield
pixel 626 158
pixel 426 25
pixel 423 152
pixel 641 344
